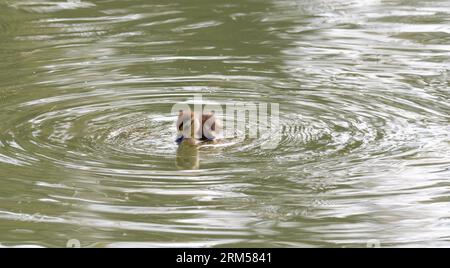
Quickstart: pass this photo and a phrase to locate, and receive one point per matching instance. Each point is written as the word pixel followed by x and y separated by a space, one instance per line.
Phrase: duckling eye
pixel 180 127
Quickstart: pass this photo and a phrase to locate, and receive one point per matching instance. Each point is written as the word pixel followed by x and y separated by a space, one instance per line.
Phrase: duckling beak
pixel 179 139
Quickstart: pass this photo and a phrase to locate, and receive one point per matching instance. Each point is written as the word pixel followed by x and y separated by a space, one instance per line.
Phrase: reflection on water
pixel 188 156
pixel 87 147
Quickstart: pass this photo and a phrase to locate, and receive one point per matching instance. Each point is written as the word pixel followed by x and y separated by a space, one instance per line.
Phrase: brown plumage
pixel 192 126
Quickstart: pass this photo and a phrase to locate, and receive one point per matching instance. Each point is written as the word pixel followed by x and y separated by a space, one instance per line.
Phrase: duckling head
pixel 188 126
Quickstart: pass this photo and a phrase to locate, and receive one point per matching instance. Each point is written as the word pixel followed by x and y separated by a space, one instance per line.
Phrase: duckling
pixel 193 128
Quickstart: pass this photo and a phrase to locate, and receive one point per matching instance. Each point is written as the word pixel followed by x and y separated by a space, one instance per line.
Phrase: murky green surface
pixel 87 146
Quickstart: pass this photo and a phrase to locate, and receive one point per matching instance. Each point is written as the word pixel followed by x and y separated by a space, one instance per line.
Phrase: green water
pixel 87 147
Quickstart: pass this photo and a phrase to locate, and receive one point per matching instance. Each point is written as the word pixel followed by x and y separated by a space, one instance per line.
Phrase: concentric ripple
pixel 87 138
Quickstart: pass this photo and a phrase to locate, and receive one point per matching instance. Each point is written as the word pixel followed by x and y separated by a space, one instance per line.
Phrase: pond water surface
pixel 87 149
